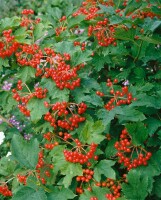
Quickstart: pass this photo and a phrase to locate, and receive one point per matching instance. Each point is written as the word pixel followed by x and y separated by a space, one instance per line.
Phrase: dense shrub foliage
pixel 80 101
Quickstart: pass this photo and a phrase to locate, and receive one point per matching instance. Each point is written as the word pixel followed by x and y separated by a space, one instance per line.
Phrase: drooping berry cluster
pixel 83 45
pixel 129 155
pixel 26 20
pixel 119 97
pixel 115 189
pixel 43 169
pixel 103 32
pixel 87 176
pixel 39 93
pixel 93 198
pixel 22 179
pixel 65 115
pixel 62 73
pixel 80 155
pixel 27 12
pixel 49 136
pixel 62 27
pixel 8 44
pixel 4 190
pixel 89 9
pixel 29 55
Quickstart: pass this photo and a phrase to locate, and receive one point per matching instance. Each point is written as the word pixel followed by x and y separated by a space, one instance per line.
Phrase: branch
pixel 5 120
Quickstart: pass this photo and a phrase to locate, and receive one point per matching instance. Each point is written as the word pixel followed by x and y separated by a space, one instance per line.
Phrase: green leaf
pixel 4 62
pixel 7 23
pixel 114 19
pixel 81 57
pixel 138 132
pixel 157 187
pixel 70 170
pixel 136 182
pixel 153 40
pixel 38 31
pixel 28 193
pixel 61 194
pixel 37 108
pixel 96 192
pixel 7 166
pixel 99 61
pixel 151 25
pixel 104 167
pixel 65 47
pixel 25 152
pixel 130 114
pixel 91 99
pixel 75 20
pixel 110 149
pixel 132 6
pixel 108 116
pixel 106 9
pixel 26 74
pixel 54 92
pixel 152 125
pixel 92 132
pixel 56 13
pixel 149 101
pixel 125 34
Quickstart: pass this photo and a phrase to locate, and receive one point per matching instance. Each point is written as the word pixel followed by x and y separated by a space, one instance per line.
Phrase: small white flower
pixel 78 31
pixel 8 154
pixel 2 136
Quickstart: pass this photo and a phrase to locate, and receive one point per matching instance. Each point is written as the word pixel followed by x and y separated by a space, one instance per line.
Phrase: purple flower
pixel 36 85
pixel 126 82
pixel 16 123
pixel 27 136
pixel 1 121
pixel 7 86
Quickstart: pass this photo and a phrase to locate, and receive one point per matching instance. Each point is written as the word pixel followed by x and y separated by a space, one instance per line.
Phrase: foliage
pixel 80 100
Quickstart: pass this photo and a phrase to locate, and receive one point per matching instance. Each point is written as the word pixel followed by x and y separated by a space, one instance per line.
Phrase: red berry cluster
pixel 29 55
pixel 103 32
pixel 62 27
pixel 27 12
pixel 62 73
pixel 26 20
pixel 48 136
pixel 110 197
pixel 63 18
pixel 22 179
pixel 8 45
pixel 39 93
pixel 83 45
pixel 59 30
pixel 79 190
pixel 143 15
pixel 78 156
pixel 64 115
pixel 131 156
pixel 43 169
pixel 115 189
pixel 87 176
pixel 119 97
pixel 64 76
pixel 5 191
pixel 93 198
pixel 89 9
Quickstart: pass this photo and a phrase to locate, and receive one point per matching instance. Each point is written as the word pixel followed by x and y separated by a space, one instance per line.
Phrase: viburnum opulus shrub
pixel 80 102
